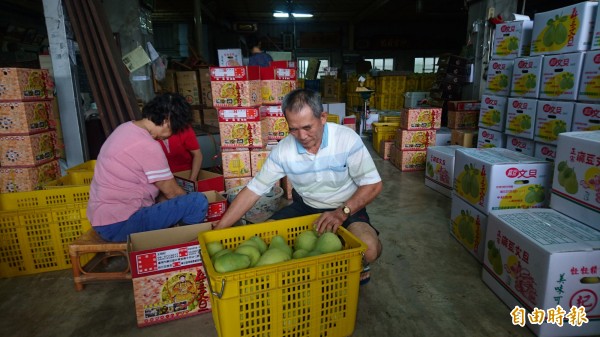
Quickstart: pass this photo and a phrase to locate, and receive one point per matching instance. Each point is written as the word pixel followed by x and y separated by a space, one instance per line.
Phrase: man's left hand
pixel 330 221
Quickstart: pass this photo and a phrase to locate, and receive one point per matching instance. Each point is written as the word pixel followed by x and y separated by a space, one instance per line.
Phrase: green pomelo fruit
pixel 221 253
pixel 214 247
pixel 272 256
pixel 306 240
pixel 300 253
pixel 231 262
pixel 313 253
pixel 279 242
pixel 252 252
pixel 571 185
pixel 262 246
pixel 328 242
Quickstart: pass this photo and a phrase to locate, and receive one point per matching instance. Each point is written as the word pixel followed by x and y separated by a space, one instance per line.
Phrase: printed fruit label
pixel 560 84
pixel 524 197
pixel 519 124
pixel 466 228
pixel 470 184
pixel 491 117
pixel 550 129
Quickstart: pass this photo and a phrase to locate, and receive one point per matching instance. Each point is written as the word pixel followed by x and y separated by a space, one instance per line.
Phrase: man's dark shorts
pixel 299 208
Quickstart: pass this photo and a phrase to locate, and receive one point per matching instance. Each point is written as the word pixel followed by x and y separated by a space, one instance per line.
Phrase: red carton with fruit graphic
pixel 512 39
pixel 242 128
pixel 168 278
pixel 499 76
pixel 564 30
pixel 576 184
pixel 586 117
pixel 25 117
pixel 275 83
pixel 27 150
pixel 257 159
pixel 417 140
pixel 521 117
pixel 589 88
pixel 21 84
pixel 235 86
pixel 468 225
pixel 23 179
pixel 560 76
pixel 526 77
pixel 493 112
pixel 421 118
pixel 236 163
pixel 498 178
pixel 439 168
pixel 277 126
pixel 540 262
pixel 552 119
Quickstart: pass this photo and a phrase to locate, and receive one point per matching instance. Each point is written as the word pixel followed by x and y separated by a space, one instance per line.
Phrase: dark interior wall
pixel 22 35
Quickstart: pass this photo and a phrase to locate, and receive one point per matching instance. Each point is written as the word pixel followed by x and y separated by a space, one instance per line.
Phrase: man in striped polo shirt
pixel 329 167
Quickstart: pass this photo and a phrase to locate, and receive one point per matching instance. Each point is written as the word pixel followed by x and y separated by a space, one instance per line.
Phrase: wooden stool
pixel 89 243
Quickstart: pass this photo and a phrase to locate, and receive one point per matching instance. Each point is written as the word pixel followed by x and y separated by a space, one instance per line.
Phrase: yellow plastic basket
pixel 35 241
pixel 87 166
pixel 44 198
pixel 313 296
pixel 383 131
pixel 331 118
pixel 73 178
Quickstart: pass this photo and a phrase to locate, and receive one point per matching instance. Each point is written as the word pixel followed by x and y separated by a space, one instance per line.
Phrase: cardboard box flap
pixel 202 175
pixel 552 231
pixel 166 237
pixel 497 156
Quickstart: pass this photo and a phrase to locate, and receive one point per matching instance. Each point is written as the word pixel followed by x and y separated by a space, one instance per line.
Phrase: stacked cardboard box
pixel 463 117
pixel 453 72
pixel 27 139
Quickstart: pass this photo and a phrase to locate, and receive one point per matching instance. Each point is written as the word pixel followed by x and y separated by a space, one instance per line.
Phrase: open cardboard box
pixel 207 181
pixel 167 274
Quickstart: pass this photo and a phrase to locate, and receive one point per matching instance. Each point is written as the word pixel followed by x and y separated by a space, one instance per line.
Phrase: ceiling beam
pixel 375 5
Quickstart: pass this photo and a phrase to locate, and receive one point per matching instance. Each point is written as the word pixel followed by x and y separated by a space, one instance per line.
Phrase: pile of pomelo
pixel 254 252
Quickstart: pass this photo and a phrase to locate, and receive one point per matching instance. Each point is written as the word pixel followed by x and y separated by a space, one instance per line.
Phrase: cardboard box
pixel 21 84
pixel 242 128
pixel 596 32
pixel 560 76
pixel 552 118
pixel 540 259
pixel 545 151
pixel 187 86
pixel 385 149
pixel 205 88
pixel 577 193
pixel 526 77
pixel 512 39
pixel 230 57
pixel 468 225
pixel 236 163
pixel 235 86
pixel 586 117
pixel 350 121
pixel 207 181
pixel 521 145
pixel 589 86
pixel 168 84
pixel 417 140
pixel 277 126
pixel 442 90
pixel 520 117
pixel 439 168
pixel 443 136
pixel 275 83
pixel 236 182
pixel 257 159
pixel 487 138
pixel 463 119
pixel 498 178
pixel 217 205
pixel 499 76
pixel 17 179
pixel 464 138
pixel 168 278
pixel 332 87
pixel 493 112
pixel 27 150
pixel 408 160
pixel 210 117
pixel 339 109
pixel 575 21
pixel 421 118
pixel 464 105
pixel 25 117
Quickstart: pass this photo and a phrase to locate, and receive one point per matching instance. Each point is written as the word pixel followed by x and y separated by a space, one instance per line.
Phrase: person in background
pixel 133 189
pixel 183 152
pixel 257 56
pixel 330 168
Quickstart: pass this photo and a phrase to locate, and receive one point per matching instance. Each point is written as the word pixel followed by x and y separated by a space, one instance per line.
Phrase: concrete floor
pixel 424 284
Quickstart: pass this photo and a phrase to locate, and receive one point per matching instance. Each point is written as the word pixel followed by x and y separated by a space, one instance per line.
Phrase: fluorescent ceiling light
pixel 296 15
pixel 302 15
pixel 281 15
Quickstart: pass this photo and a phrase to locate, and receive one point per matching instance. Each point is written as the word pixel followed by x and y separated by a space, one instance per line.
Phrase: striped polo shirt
pixel 326 179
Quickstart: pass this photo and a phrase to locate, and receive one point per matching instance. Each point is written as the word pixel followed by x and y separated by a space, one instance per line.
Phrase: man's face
pixel 307 129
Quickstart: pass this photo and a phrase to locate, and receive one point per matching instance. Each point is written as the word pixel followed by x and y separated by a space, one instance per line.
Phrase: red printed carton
pixel 242 128
pixel 235 86
pixel 275 83
pixel 421 118
pixel 25 117
pixel 27 150
pixel 20 84
pixel 23 179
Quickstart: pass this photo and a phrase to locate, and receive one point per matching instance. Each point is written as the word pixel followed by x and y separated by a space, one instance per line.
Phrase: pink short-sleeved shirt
pixel 129 163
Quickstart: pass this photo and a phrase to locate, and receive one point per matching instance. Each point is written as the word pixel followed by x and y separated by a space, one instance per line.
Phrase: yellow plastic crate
pixel 383 131
pixel 23 201
pixel 313 296
pixel 333 119
pixel 87 166
pixel 37 240
pixel 73 178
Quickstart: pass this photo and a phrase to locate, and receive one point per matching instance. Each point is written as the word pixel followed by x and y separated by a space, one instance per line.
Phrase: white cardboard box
pixel 468 225
pixel 589 86
pixel 527 72
pixel 540 259
pixel 545 151
pixel 596 33
pixel 521 145
pixel 493 112
pixel 488 138
pixel 499 178
pixel 230 57
pixel 577 194
pixel 586 117
pixel 439 168
pixel 338 109
pixel 499 76
pixel 512 39
pixel 560 76
pixel 551 119
pixel 581 15
pixel 443 136
pixel 520 117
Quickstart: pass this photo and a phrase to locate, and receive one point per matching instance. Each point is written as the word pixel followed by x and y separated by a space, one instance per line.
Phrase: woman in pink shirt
pixel 133 189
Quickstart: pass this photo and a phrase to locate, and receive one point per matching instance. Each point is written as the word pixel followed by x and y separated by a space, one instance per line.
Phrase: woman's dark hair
pixel 297 99
pixel 172 107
